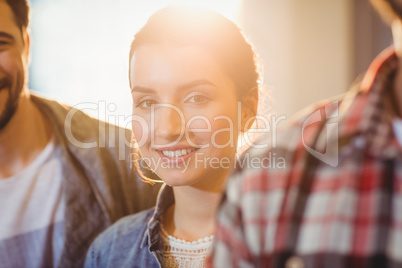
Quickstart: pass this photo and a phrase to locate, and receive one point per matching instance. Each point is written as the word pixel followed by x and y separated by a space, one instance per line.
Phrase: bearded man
pixel 64 176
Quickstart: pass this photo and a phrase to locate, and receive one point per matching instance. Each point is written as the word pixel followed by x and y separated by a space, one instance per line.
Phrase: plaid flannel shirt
pixel 337 200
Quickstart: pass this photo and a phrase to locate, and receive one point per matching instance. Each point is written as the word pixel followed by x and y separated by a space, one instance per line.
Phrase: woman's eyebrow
pixel 142 89
pixel 195 83
pixel 180 88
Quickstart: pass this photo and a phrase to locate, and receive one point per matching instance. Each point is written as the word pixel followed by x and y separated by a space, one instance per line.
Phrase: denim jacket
pixel 133 241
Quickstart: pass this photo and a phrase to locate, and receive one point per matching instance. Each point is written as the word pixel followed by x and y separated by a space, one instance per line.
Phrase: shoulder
pixel 282 155
pixel 129 226
pixel 72 120
pixel 120 242
pixel 298 130
pixel 305 124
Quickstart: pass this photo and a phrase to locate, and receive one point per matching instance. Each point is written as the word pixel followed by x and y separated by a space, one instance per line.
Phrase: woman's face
pixel 185 116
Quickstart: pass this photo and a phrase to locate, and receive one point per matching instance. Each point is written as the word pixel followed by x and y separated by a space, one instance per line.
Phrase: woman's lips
pixel 176 155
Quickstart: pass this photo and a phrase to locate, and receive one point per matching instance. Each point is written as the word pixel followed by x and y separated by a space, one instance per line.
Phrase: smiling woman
pixel 190 72
pixel 194 87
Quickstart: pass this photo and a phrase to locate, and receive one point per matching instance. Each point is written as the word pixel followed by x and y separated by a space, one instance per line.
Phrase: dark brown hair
pixel 20 9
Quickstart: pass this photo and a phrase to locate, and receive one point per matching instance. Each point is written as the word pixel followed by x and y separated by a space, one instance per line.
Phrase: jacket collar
pixel 152 235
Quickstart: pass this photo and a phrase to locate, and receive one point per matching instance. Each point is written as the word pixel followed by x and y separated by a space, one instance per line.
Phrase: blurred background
pixel 308 50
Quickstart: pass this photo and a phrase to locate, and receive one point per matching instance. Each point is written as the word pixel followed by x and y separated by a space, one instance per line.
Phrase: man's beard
pixel 12 101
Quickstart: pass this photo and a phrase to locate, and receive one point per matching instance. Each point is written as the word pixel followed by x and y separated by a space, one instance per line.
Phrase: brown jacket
pixel 100 183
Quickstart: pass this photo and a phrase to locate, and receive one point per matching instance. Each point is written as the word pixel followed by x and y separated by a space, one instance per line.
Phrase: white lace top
pixel 178 253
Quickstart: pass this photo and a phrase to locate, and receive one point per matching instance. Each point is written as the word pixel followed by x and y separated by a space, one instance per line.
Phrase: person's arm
pixel 230 246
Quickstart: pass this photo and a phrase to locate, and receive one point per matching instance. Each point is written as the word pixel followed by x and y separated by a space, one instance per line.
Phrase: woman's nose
pixel 169 123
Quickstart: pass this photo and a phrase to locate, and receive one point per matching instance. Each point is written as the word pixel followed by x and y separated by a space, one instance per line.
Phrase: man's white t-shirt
pixel 32 213
pixel 397 126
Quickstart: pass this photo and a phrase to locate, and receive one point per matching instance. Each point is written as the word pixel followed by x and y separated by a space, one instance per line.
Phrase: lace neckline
pixel 178 253
pixel 177 241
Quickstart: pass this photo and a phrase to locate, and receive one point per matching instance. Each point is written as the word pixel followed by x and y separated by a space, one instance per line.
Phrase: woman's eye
pixel 197 99
pixel 146 103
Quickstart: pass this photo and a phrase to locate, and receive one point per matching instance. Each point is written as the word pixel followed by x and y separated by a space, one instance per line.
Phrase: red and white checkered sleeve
pixel 230 248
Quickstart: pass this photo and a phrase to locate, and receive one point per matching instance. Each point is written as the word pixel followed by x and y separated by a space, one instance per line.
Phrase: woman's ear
pixel 249 109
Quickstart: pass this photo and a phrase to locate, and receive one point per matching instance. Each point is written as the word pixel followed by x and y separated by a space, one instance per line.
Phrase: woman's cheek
pixel 141 130
pixel 224 125
pixel 218 130
pixel 223 129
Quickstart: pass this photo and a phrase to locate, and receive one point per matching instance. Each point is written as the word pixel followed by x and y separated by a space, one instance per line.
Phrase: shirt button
pixel 294 262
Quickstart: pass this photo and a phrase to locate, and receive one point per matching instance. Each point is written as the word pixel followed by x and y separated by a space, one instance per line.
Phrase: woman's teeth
pixel 178 153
